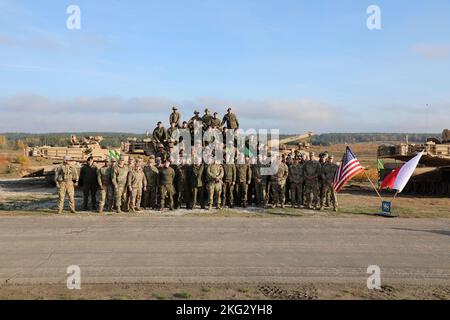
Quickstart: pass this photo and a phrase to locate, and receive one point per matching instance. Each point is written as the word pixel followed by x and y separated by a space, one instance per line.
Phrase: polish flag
pixel 397 179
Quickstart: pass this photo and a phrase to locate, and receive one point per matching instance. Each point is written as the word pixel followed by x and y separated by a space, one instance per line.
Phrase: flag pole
pixel 395 196
pixel 374 188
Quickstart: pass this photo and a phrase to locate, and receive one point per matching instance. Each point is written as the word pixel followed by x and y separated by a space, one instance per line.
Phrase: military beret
pixel 159 122
pixel 196 112
pixel 174 108
pixel 206 110
pixel 229 109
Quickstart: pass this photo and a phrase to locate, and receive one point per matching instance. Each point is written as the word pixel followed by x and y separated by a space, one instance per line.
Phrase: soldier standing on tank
pixel 88 180
pixel 243 179
pixel 104 178
pixel 119 181
pixel 151 174
pixel 66 179
pixel 215 176
pixel 230 120
pixel 229 181
pixel 278 183
pixel 312 171
pixel 159 134
pixel 166 189
pixel 215 122
pixel 197 172
pixel 296 179
pixel 206 119
pixel 328 172
pixel 137 183
pixel 175 117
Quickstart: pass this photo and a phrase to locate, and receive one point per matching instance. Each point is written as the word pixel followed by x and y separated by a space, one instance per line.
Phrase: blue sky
pixel 292 65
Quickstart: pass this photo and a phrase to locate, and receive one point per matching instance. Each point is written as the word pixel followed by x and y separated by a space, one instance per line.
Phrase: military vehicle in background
pixel 295 144
pixel 77 150
pixel 432 176
pixel 138 146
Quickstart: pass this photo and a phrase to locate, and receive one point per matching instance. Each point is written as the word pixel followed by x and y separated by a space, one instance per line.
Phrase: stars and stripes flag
pixel 348 168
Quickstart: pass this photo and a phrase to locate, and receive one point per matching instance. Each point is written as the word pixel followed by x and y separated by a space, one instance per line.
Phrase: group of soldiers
pixel 162 182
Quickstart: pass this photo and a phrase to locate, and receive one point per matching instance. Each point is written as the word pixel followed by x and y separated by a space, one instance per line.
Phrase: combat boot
pixel 321 208
pixel 210 207
pixel 335 209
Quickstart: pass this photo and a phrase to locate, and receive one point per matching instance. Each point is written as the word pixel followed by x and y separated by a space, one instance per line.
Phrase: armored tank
pixel 432 176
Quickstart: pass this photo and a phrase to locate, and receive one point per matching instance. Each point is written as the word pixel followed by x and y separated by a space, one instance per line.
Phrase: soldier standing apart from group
pixel 328 172
pixel 88 180
pixel 166 189
pixel 278 183
pixel 229 180
pixel 243 179
pixel 137 183
pixel 215 176
pixel 66 179
pixel 312 170
pixel 296 179
pixel 119 181
pixel 151 174
pixel 104 178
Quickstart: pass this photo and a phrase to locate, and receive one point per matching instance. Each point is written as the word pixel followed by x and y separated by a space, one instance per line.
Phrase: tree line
pixel 114 139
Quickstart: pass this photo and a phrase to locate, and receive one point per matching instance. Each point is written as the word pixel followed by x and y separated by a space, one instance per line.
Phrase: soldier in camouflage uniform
pixel 175 117
pixel 207 118
pixel 296 179
pixel 243 179
pixel 104 178
pixel 278 184
pixel 66 178
pixel 197 172
pixel 229 180
pixel 328 172
pixel 88 180
pixel 136 184
pixel 312 171
pixel 181 184
pixel 159 134
pixel 119 181
pixel 166 189
pixel 151 174
pixel 215 176
pixel 215 122
pixel 260 182
pixel 230 120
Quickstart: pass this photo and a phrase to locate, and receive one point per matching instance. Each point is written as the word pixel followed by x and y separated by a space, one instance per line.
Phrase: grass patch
pixel 182 295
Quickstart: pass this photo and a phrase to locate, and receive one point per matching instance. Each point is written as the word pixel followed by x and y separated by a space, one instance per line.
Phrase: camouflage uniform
pixel 197 184
pixel 181 185
pixel 328 171
pixel 296 179
pixel 260 184
pixel 150 196
pixel 104 178
pixel 166 177
pixel 175 117
pixel 119 180
pixel 312 170
pixel 278 184
pixel 88 181
pixel 215 176
pixel 66 176
pixel 229 180
pixel 136 183
pixel 243 179
pixel 230 120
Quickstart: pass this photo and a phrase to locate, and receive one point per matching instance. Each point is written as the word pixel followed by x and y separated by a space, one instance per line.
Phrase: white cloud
pixel 35 113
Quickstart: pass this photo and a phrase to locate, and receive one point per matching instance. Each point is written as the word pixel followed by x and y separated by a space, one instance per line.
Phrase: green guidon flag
pixel 114 154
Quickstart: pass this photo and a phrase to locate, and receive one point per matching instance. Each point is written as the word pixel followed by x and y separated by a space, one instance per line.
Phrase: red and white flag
pixel 398 178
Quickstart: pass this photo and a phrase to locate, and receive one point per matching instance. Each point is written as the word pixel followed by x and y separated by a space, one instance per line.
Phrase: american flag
pixel 348 168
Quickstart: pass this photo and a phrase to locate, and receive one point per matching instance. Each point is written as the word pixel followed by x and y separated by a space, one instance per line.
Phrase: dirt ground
pixel 232 291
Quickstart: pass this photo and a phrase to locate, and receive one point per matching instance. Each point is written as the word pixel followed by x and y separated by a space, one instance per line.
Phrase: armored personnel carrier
pixel 432 176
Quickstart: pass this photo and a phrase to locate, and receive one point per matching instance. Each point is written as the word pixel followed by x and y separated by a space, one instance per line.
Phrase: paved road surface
pixel 194 249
